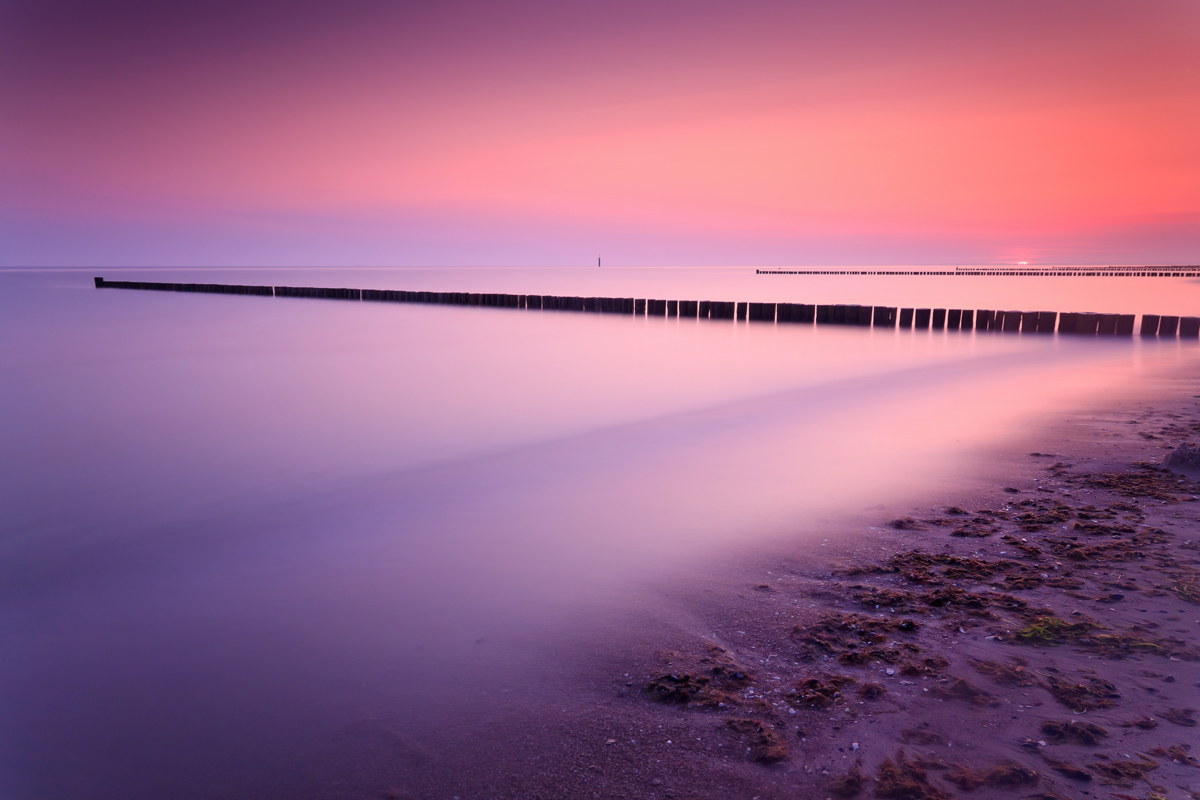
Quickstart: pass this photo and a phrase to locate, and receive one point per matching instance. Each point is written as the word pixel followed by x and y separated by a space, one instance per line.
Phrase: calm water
pixel 232 527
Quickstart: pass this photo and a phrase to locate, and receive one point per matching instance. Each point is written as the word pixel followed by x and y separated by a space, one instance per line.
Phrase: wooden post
pixel 953 319
pixel 968 319
pixel 1125 325
pixel 921 319
pixel 939 319
pixel 741 312
pixel 906 318
pixel 1167 325
pixel 1149 324
pixel 1189 327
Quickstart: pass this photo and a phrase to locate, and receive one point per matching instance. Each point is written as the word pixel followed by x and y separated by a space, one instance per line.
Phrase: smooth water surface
pixel 233 526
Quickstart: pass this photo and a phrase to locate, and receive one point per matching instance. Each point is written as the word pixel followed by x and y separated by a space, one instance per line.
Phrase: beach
pixel 1034 637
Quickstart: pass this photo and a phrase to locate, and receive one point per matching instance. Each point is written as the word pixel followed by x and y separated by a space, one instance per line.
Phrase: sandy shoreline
pixel 1034 637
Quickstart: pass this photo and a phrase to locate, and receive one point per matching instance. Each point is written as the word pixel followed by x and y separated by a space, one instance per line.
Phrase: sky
pixel 655 132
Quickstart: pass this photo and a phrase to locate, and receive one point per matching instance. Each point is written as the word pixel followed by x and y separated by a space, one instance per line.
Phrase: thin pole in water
pixel 597 261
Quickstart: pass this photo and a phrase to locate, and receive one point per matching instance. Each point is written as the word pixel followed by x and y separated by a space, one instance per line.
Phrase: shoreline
pixel 1034 637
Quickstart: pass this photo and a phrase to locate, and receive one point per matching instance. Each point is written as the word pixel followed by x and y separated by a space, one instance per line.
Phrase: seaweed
pixel 871 691
pixel 714 684
pixel 1052 630
pixel 921 735
pixel 1006 674
pixel 1082 697
pixel 1003 776
pixel 930 665
pixel 960 689
pixel 1145 723
pixel 850 784
pixel 1180 716
pixel 1075 730
pixel 840 633
pixel 1123 773
pixel 1177 753
pixel 1069 770
pixel 765 745
pixel 819 692
pixel 905 780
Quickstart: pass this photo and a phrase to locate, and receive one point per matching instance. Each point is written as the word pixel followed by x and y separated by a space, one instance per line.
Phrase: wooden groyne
pixel 1188 271
pixel 1041 322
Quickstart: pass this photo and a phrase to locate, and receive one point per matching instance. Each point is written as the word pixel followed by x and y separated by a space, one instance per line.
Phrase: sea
pixel 233 528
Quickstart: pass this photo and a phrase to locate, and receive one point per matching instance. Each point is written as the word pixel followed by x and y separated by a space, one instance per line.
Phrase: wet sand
pixel 1035 636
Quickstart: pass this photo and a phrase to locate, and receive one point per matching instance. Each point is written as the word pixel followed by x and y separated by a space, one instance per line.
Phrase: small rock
pixel 1185 459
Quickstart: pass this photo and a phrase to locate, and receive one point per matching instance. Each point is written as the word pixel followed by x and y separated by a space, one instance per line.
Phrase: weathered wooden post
pixel 953 319
pixel 741 312
pixel 823 314
pixel 884 317
pixel 1149 324
pixel 921 319
pixel 968 319
pixel 984 319
pixel 939 319
pixel 704 307
pixel 1125 325
pixel 1189 327
pixel 906 318
pixel 1167 325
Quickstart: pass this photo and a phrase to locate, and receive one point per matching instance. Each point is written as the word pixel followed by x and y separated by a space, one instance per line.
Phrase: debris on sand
pixel 1006 674
pixel 930 665
pixel 1074 730
pixel 851 635
pixel 1004 776
pixel 1145 723
pixel 1177 753
pixel 1152 481
pixel 1180 716
pixel 904 780
pixel 921 735
pixel 714 682
pixel 764 744
pixel 1052 630
pixel 1069 770
pixel 850 784
pixel 1080 697
pixel 1123 773
pixel 819 692
pixel 871 691
pixel 960 689
pixel 906 524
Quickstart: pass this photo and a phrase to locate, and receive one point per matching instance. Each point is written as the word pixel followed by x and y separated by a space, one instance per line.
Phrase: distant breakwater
pixel 1073 322
pixel 1189 271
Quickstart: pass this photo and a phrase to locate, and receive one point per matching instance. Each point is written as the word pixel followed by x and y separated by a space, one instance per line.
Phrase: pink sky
pixel 648 132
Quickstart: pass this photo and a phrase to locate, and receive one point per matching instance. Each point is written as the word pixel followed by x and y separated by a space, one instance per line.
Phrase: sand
pixel 1033 637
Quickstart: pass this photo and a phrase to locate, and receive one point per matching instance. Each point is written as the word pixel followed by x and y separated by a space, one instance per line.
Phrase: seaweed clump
pixel 905 780
pixel 851 636
pixel 1082 697
pixel 1074 730
pixel 1003 776
pixel 1180 716
pixel 1123 773
pixel 850 784
pixel 1006 674
pixel 960 689
pixel 764 744
pixel 819 692
pixel 715 683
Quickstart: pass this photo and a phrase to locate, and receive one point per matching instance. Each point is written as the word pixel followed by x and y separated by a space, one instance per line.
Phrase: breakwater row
pixel 1028 272
pixel 1042 322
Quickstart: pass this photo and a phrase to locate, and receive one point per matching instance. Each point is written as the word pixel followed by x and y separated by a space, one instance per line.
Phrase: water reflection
pixel 235 525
